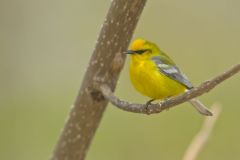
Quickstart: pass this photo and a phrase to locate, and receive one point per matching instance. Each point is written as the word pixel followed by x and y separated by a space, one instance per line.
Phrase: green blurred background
pixel 45 47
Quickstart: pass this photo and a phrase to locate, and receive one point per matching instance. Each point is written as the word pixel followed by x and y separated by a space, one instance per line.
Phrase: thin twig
pixel 202 137
pixel 171 102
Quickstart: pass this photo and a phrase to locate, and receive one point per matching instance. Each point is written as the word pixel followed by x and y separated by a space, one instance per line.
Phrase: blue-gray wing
pixel 171 71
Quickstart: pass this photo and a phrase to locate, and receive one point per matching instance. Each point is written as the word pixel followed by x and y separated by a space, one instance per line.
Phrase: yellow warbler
pixel 155 75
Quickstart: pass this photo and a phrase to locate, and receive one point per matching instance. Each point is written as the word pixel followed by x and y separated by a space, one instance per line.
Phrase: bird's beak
pixel 130 52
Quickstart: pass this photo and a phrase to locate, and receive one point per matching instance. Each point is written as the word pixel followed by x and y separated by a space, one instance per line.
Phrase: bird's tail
pixel 201 108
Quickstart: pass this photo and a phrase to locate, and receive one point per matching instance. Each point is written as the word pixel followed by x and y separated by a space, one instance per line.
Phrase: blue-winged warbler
pixel 154 74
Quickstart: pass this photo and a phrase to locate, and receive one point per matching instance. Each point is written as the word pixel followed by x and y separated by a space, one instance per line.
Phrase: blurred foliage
pixel 44 50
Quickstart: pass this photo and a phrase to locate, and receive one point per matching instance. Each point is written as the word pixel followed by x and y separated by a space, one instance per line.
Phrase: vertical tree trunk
pixel 104 67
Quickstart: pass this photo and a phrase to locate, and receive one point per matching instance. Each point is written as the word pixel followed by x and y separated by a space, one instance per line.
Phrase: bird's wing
pixel 168 68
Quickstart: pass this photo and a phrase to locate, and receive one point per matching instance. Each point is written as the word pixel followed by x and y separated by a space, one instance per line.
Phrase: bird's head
pixel 143 49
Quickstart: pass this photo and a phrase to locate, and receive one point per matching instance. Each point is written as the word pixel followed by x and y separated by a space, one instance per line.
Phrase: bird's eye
pixel 141 51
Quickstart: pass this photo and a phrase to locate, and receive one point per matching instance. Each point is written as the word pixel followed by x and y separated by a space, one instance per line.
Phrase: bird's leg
pixel 147 104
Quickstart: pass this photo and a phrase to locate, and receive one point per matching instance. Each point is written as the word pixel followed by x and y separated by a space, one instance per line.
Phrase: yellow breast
pixel 148 80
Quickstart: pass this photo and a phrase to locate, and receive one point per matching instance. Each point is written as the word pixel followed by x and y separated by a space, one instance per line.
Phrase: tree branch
pixel 105 65
pixel 202 137
pixel 171 102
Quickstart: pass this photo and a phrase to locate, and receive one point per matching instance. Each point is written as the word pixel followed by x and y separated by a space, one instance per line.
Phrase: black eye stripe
pixel 141 51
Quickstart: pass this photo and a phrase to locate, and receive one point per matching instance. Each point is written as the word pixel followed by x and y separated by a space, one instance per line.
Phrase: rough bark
pixel 104 67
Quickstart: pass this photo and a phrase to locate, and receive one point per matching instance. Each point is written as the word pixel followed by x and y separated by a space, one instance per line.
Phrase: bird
pixel 154 74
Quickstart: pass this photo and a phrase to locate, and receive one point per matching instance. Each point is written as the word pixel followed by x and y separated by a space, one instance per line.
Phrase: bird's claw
pixel 148 104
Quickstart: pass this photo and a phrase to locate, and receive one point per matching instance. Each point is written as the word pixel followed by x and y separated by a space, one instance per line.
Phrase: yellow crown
pixel 137 44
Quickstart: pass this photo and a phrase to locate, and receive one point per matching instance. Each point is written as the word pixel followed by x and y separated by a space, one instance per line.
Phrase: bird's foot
pixel 148 104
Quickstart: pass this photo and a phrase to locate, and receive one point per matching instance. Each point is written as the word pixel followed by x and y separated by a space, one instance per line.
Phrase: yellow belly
pixel 149 81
